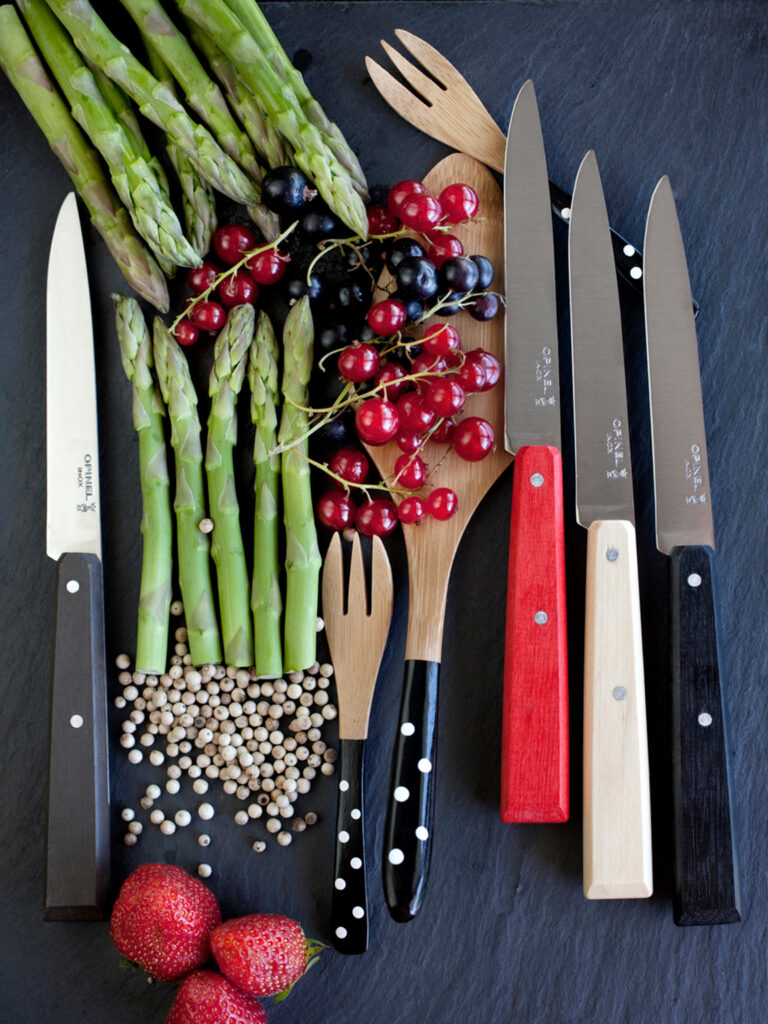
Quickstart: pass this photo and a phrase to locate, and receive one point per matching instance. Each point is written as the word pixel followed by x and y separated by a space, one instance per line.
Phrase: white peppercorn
pixel 259 846
pixel 146 802
pixel 204 839
pixel 130 839
pixel 135 827
pixel 135 756
pixel 200 786
pixel 205 811
pixel 284 838
pixel 156 757
pixel 172 786
pixel 182 818
pixel 273 825
pixel 204 870
pixel 156 816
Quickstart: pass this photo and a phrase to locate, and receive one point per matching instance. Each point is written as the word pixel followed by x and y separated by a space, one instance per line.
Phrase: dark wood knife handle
pixel 410 814
pixel 78 851
pixel 349 910
pixel 706 872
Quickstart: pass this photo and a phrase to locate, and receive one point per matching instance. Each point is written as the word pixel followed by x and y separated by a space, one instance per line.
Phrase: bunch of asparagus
pixel 248 627
pixel 268 116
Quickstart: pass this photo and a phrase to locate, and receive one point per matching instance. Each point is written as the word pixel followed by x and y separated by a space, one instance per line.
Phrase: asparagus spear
pixel 154 99
pixel 311 151
pixel 227 375
pixel 27 75
pixel 253 19
pixel 192 544
pixel 156 524
pixel 146 201
pixel 266 599
pixel 302 554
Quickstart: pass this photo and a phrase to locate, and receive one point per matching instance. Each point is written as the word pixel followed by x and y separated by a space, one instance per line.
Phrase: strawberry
pixel 163 919
pixel 262 953
pixel 206 997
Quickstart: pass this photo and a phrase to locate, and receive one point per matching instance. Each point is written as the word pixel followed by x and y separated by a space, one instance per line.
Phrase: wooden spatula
pixel 431 546
pixel 356 638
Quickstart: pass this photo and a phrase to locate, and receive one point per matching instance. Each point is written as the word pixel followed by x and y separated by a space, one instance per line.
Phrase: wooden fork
pixel 356 638
pixel 446 107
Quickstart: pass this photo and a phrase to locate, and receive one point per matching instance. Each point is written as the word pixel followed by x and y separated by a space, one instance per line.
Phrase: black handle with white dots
pixel 349 910
pixel 706 873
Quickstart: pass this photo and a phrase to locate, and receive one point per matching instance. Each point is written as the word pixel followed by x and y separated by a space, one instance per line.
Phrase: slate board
pixel 655 87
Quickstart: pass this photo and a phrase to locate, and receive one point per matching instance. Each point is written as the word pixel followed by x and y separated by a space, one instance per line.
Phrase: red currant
pixel 358 362
pixel 186 333
pixel 381 221
pixel 473 438
pixel 415 415
pixel 233 240
pixel 445 397
pixel 472 376
pixel 443 247
pixel 386 317
pixel 201 278
pixel 268 266
pixel 237 289
pixel 410 472
pixel 411 510
pixel 208 316
pixel 377 518
pixel 389 374
pixel 443 432
pixel 459 202
pixel 408 443
pixel 427 362
pixel 489 363
pixel 400 192
pixel 442 503
pixel 335 509
pixel 441 340
pixel 420 211
pixel 350 464
pixel 377 421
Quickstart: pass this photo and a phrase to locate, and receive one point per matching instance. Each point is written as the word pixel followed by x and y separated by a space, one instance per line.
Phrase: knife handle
pixel 706 870
pixel 617 803
pixel 349 910
pixel 534 753
pixel 78 853
pixel 410 813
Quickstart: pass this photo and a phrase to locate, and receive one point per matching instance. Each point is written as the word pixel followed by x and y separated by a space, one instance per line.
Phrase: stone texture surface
pixel 655 87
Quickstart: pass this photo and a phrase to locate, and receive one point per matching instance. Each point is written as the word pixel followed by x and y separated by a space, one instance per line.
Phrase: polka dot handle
pixel 349 909
pixel 408 830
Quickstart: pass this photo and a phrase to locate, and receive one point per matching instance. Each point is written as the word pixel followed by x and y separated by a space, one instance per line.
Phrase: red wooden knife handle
pixel 534 753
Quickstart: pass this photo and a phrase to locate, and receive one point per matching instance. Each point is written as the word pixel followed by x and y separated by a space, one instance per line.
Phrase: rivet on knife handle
pixel 534 779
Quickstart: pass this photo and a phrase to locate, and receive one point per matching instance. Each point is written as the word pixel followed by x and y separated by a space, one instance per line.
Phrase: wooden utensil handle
pixel 78 856
pixel 706 872
pixel 617 806
pixel 534 769
pixel 349 910
pixel 410 814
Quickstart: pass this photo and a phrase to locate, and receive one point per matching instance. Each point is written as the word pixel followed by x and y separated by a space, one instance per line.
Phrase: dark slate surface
pixel 656 87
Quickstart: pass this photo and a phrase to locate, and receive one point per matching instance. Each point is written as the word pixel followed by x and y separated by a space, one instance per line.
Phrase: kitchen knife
pixel 706 873
pixel 534 773
pixel 617 808
pixel 77 865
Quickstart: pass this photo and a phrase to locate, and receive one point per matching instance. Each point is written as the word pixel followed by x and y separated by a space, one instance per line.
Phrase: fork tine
pixel 426 88
pixel 433 60
pixel 381 584
pixel 333 579
pixel 406 103
pixel 357 601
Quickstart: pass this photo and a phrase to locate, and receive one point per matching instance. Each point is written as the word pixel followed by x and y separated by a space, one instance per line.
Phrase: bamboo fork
pixel 356 638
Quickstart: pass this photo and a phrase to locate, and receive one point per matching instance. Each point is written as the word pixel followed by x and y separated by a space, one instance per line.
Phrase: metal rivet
pixel 636 273
pixel 628 250
pixel 341 932
pixel 705 719
pixel 422 833
pixel 619 692
pixel 694 580
pixel 611 554
pixel 540 618
pixel 537 480
pixel 565 213
pixel 76 721
pixel 73 586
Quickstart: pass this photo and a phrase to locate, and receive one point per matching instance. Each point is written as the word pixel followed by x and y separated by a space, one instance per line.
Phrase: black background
pixel 655 87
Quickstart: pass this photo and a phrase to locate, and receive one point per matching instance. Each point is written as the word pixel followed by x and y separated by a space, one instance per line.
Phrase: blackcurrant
pixel 459 274
pixel 484 270
pixel 414 310
pixel 296 287
pixel 453 307
pixel 331 337
pixel 416 278
pixel 286 189
pixel 485 307
pixel 399 249
pixel 317 224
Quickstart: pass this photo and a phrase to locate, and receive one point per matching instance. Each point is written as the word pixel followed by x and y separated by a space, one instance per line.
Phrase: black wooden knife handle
pixel 78 854
pixel 408 829
pixel 706 871
pixel 349 910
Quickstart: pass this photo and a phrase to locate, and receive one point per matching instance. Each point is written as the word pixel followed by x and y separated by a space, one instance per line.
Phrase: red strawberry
pixel 206 997
pixel 163 919
pixel 262 953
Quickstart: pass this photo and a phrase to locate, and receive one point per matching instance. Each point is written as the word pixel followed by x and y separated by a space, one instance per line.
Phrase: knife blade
pixel 534 781
pixel 77 858
pixel 706 871
pixel 617 809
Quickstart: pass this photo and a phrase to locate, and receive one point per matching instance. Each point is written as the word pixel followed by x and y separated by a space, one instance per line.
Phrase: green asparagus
pixel 266 599
pixel 145 199
pixel 192 543
pixel 28 76
pixel 156 523
pixel 302 554
pixel 154 99
pixel 227 376
pixel 279 102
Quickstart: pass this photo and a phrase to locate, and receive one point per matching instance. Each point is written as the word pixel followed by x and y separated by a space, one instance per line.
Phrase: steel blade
pixel 680 470
pixel 532 400
pixel 603 465
pixel 73 521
